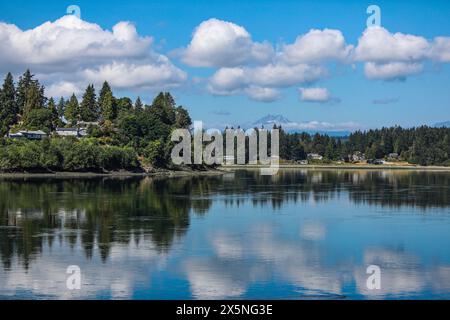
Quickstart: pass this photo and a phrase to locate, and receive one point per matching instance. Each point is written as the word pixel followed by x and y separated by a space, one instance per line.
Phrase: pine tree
pixel 182 118
pixel 54 112
pixel 123 104
pixel 105 88
pixel 164 104
pixel 33 99
pixel 107 103
pixel 108 107
pixel 72 110
pixel 61 107
pixel 22 87
pixel 8 105
pixel 89 107
pixel 138 106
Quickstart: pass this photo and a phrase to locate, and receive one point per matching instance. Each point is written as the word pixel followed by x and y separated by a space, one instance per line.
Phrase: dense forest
pixel 422 145
pixel 130 135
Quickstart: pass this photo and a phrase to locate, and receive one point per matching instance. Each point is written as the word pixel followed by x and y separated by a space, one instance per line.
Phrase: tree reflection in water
pixel 101 212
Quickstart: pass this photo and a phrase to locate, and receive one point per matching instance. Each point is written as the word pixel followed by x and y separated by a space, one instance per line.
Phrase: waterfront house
pixel 314 156
pixel 71 132
pixel 357 156
pixel 28 134
pixel 393 155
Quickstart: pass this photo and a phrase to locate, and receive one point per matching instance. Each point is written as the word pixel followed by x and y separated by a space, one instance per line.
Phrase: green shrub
pixel 154 153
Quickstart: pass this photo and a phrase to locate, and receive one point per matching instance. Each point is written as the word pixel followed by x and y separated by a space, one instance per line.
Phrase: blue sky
pixel 417 93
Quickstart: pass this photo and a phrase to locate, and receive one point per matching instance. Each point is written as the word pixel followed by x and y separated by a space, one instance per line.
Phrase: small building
pixel 302 162
pixel 85 124
pixel 16 135
pixel 393 155
pixel 357 156
pixel 28 134
pixel 314 156
pixel 71 132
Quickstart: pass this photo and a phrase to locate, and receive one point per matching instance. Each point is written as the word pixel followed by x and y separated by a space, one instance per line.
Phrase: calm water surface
pixel 302 234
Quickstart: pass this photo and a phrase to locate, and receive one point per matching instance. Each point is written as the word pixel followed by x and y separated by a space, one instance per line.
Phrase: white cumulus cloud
pixel 63 89
pixel 70 48
pixel 161 74
pixel 316 46
pixel 379 45
pixel 391 70
pixel 217 43
pixel 321 95
pixel 440 50
pixel 262 94
pixel 390 56
pixel 262 83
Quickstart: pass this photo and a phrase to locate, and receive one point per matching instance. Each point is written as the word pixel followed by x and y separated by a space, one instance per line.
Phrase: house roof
pixel 88 123
pixel 38 132
pixel 67 129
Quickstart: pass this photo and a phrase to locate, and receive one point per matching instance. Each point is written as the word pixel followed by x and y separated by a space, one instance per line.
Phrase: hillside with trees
pixel 123 134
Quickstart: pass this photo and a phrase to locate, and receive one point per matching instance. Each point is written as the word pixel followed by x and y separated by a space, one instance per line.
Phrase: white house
pixel 314 156
pixel 28 134
pixel 393 155
pixel 357 156
pixel 71 132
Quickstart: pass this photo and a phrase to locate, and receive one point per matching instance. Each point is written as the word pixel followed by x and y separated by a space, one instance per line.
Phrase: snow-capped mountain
pixel 269 120
pixel 311 127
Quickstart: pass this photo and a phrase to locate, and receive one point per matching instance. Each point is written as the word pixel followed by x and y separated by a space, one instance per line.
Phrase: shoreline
pixel 114 174
pixel 213 172
pixel 342 166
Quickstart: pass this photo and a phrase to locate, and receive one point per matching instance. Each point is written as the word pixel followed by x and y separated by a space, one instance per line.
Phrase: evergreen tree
pixel 105 89
pixel 107 103
pixel 54 113
pixel 34 98
pixel 22 87
pixel 89 107
pixel 39 119
pixel 8 105
pixel 61 107
pixel 138 106
pixel 298 152
pixel 123 105
pixel 164 106
pixel 182 118
pixel 72 110
pixel 108 107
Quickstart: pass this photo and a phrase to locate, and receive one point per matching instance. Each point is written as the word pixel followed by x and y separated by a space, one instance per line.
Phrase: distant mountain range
pixel 269 120
pixel 311 127
pixel 443 124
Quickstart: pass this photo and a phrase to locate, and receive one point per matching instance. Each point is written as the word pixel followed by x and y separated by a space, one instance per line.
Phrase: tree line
pixel 132 134
pixel 419 145
pixel 128 133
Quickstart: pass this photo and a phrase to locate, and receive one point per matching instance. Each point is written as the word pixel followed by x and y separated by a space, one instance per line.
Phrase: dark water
pixel 298 235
